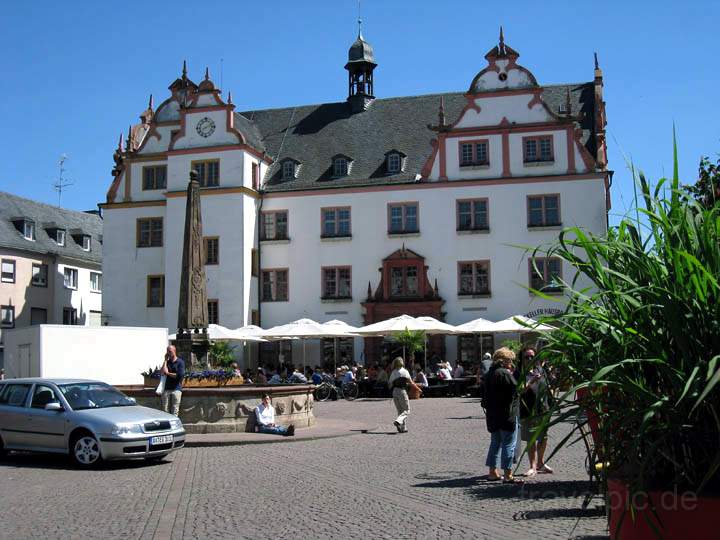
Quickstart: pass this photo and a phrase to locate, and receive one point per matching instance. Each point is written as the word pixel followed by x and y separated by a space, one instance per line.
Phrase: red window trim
pixel 537 139
pixel 336 209
pixel 475 161
pixel 544 223
pixel 337 269
pixel 403 205
pixel 473 263
pixel 262 224
pixel 262 284
pixel 473 226
pixel 531 272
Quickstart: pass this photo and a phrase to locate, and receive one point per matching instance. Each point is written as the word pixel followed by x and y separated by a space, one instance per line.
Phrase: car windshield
pixel 93 396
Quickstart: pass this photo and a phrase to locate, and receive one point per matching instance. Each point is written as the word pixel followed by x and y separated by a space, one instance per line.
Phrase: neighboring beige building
pixel 50 265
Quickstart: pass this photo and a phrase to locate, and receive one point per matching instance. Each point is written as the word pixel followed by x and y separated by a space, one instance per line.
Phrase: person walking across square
pixel 398 381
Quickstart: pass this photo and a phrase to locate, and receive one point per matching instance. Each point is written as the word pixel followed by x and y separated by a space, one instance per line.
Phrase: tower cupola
pixel 360 66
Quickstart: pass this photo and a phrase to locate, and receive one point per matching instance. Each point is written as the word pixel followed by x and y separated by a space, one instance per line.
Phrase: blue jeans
pixel 273 430
pixel 501 442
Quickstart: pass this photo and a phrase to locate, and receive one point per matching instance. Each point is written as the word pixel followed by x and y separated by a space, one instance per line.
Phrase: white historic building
pixel 362 209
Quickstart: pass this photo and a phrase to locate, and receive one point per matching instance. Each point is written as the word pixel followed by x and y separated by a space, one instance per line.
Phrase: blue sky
pixel 77 73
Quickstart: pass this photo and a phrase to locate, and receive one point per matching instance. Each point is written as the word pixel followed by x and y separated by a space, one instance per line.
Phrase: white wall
pixel 116 355
pixel 438 242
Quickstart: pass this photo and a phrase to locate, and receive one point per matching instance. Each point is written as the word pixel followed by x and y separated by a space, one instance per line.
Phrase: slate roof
pixel 12 206
pixel 313 134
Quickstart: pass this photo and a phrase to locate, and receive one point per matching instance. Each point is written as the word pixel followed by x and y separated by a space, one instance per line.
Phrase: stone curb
pixel 319 431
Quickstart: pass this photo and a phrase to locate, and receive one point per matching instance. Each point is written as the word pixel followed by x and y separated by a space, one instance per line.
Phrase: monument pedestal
pixel 193 348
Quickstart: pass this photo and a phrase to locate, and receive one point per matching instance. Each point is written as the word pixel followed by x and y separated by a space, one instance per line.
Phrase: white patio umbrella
pixel 339 329
pixel 302 329
pixel 476 326
pixel 217 332
pixel 519 324
pixel 391 327
pixel 434 327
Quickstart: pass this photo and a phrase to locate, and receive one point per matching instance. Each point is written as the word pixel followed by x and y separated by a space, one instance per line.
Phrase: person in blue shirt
pixel 317 376
pixel 174 371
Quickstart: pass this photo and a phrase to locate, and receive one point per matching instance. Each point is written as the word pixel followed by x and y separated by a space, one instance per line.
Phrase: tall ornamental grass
pixel 644 340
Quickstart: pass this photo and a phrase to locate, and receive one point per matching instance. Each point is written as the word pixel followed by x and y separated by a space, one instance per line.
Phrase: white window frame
pixel 12 263
pixel 86 239
pixel 29 230
pixel 288 170
pixel 70 272
pixel 394 163
pixel 60 237
pixel 96 286
pixel 341 167
pixel 11 322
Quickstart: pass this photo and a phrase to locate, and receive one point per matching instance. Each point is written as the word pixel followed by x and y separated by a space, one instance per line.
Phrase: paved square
pixel 423 484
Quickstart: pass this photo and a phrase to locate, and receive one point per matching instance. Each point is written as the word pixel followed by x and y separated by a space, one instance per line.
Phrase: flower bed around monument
pixel 208 378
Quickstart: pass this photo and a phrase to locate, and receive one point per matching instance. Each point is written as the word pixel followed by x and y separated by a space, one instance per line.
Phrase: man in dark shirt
pixel 174 371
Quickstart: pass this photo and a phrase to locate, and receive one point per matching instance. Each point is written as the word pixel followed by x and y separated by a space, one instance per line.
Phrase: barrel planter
pixel 673 514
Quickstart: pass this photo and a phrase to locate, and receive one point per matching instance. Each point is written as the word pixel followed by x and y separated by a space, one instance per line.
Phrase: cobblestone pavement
pixel 423 484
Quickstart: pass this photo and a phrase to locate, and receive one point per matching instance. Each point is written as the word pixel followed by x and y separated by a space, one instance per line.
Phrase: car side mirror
pixel 54 406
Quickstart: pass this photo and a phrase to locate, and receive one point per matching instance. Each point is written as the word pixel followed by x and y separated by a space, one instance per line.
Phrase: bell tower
pixel 360 66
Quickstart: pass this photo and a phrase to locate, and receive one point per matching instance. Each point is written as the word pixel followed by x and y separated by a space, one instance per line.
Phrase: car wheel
pixel 85 451
pixel 3 452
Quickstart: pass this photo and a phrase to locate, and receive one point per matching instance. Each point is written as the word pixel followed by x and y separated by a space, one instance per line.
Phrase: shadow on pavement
pixel 552 513
pixel 369 432
pixel 28 460
pixel 465 418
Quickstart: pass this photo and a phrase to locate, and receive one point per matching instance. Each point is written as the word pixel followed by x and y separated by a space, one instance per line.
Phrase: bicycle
pixel 325 390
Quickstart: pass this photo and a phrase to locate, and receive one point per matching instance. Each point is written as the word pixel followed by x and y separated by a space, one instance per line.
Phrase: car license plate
pixel 162 439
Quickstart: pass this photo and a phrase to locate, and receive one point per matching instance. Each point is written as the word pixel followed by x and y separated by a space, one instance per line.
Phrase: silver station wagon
pixel 89 420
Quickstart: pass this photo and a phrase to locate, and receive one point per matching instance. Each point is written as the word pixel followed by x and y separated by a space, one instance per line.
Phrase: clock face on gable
pixel 205 127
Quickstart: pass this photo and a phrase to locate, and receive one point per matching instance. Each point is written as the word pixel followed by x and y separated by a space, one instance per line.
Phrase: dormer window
pixel 81 238
pixel 288 170
pixel 394 162
pixel 340 166
pixel 60 237
pixel 29 230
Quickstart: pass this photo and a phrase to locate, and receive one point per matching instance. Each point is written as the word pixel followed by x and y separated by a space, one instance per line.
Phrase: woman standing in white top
pixel 398 382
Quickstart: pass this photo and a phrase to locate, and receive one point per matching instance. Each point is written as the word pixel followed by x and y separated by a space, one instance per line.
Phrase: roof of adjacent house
pixel 313 134
pixel 14 209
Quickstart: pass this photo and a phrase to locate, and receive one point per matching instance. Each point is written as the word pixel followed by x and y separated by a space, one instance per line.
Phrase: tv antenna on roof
pixel 62 183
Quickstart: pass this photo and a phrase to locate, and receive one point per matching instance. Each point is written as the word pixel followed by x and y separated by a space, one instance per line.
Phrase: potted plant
pixel 412 341
pixel 639 344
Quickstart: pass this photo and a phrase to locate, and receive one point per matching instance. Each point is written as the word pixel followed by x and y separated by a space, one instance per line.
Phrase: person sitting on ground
pixel 317 376
pixel 420 378
pixel 297 377
pixel 261 377
pixel 459 371
pixel 444 371
pixel 265 416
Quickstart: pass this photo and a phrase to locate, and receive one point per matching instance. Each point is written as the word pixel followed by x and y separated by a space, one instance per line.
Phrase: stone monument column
pixel 192 336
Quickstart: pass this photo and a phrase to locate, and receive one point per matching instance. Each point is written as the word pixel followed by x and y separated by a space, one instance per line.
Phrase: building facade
pixel 51 265
pixel 362 209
